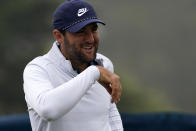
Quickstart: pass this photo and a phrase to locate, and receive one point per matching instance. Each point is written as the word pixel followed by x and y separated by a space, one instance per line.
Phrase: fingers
pixel 116 96
pixel 111 82
pixel 116 90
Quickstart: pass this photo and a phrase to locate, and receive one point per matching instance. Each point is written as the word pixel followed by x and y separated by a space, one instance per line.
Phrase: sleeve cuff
pixel 95 71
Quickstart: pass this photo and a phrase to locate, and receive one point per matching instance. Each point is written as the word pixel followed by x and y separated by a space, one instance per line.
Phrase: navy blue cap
pixel 73 15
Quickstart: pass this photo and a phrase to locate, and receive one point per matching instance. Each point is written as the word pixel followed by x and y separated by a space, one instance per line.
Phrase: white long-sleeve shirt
pixel 60 99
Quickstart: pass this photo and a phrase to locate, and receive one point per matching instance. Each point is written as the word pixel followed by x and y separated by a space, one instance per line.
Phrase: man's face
pixel 81 46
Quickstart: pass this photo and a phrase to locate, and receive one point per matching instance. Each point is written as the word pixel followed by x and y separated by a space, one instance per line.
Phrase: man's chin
pixel 90 58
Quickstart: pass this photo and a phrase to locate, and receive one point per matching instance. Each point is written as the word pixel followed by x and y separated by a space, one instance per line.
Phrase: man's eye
pixel 94 29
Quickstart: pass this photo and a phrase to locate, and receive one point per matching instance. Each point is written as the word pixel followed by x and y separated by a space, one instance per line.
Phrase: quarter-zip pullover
pixel 60 99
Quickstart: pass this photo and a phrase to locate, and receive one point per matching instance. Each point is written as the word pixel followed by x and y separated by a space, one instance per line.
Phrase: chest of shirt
pixel 96 99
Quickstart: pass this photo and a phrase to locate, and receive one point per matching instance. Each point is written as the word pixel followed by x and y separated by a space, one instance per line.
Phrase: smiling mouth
pixel 88 47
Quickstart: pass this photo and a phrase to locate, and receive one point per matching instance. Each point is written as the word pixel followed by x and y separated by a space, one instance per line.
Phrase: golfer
pixel 72 87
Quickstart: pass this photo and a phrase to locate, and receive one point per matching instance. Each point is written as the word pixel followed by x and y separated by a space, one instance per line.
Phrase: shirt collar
pixel 58 59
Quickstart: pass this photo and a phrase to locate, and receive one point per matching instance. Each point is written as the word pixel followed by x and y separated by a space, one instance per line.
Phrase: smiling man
pixel 79 47
pixel 72 87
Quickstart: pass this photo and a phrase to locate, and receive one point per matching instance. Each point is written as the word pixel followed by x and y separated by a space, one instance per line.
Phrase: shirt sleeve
pixel 49 102
pixel 115 119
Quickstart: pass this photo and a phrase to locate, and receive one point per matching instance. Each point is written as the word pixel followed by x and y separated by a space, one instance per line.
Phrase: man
pixel 72 87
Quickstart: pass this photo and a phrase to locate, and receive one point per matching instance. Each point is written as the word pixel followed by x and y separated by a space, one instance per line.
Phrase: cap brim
pixel 75 28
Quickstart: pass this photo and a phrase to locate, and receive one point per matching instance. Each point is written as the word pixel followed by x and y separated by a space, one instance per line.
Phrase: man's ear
pixel 58 36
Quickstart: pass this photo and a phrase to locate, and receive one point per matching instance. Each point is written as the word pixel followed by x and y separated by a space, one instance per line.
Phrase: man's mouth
pixel 89 52
pixel 89 49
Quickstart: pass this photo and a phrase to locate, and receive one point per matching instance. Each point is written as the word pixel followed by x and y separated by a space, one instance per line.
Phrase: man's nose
pixel 90 37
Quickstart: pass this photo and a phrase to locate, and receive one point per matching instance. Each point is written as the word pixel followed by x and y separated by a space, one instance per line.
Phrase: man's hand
pixel 111 82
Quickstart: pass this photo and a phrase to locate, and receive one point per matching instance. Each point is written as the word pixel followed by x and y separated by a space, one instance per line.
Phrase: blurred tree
pixel 135 98
pixel 25 26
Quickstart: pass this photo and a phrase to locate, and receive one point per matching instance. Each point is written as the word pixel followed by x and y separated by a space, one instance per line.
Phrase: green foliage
pixel 140 98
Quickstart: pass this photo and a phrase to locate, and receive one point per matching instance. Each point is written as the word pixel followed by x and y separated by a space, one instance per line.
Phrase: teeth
pixel 87 47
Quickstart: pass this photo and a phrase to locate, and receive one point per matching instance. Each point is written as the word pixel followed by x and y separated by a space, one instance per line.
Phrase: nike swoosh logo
pixel 82 11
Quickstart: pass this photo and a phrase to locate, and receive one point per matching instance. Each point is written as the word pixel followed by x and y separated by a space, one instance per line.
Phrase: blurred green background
pixel 151 43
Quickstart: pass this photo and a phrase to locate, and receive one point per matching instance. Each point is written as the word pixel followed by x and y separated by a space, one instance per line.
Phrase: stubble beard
pixel 76 55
